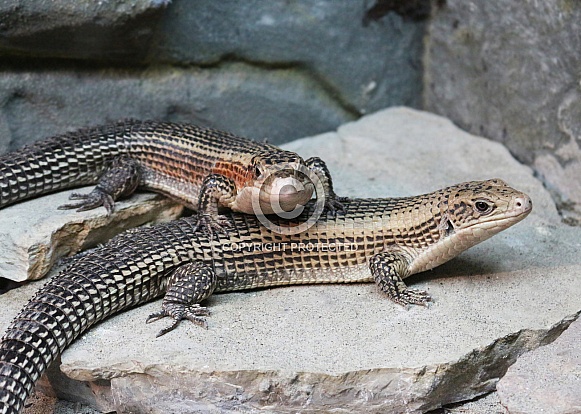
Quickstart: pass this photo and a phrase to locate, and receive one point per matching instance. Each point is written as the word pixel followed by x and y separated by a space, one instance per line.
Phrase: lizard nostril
pixel 523 203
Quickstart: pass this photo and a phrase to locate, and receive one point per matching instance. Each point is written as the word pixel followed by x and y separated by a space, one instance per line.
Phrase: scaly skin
pixel 381 240
pixel 202 168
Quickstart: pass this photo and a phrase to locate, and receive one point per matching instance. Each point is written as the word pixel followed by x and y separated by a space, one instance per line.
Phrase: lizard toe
pixel 335 205
pixel 94 199
pixel 178 312
pixel 414 297
pixel 213 225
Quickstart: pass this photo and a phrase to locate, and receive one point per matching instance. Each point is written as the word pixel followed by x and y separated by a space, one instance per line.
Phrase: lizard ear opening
pixel 449 228
pixel 446 226
pixel 254 167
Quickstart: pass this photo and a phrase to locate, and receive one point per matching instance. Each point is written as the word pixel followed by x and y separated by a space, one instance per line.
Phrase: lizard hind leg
pixel 188 285
pixel 119 180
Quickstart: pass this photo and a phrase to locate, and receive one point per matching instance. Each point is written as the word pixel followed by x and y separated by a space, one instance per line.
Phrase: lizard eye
pixel 257 171
pixel 483 206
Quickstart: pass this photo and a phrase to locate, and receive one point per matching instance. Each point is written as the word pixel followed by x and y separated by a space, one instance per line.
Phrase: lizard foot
pixel 94 199
pixel 179 312
pixel 413 297
pixel 335 205
pixel 213 224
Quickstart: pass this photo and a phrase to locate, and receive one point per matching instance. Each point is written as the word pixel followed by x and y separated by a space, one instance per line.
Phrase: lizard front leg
pixel 389 268
pixel 216 190
pixel 187 286
pixel 332 202
pixel 119 180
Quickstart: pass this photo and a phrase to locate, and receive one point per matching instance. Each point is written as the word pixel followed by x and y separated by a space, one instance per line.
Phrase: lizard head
pixel 477 210
pixel 469 213
pixel 278 181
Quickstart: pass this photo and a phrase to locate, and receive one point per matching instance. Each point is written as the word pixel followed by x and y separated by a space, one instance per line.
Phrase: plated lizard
pixel 202 168
pixel 389 239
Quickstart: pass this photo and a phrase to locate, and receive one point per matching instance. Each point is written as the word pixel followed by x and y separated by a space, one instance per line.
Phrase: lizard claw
pixel 213 225
pixel 94 199
pixel 335 205
pixel 179 312
pixel 413 297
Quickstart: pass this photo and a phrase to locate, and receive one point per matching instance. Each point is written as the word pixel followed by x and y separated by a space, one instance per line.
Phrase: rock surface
pixel 277 70
pixel 345 347
pixel 487 404
pixel 546 380
pixel 35 234
pixel 510 71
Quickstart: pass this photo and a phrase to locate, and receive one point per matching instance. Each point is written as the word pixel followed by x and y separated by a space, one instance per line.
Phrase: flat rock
pixel 346 348
pixel 546 380
pixel 35 234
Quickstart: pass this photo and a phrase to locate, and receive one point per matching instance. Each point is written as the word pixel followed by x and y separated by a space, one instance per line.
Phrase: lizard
pixel 202 168
pixel 390 239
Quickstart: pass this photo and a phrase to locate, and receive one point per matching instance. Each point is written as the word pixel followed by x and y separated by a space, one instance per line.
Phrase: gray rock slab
pixel 35 234
pixel 546 380
pixel 345 348
pixel 510 71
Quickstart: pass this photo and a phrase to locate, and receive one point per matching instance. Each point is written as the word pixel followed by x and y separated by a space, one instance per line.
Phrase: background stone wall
pixel 511 71
pixel 279 69
pixel 283 69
